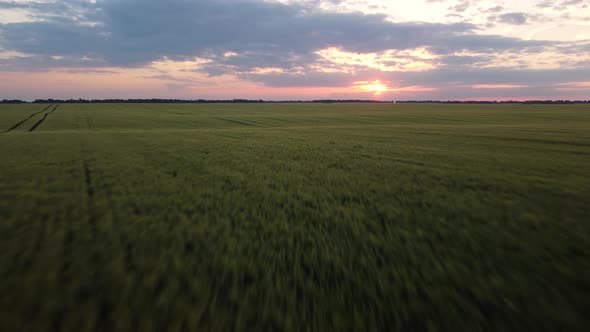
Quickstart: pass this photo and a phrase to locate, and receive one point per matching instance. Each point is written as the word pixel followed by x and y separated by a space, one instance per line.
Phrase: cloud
pixel 462 6
pixel 562 5
pixel 495 9
pixel 513 18
pixel 134 33
pixel 437 77
pixel 448 83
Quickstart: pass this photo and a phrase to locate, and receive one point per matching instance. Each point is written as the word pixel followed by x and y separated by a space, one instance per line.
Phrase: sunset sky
pixel 298 49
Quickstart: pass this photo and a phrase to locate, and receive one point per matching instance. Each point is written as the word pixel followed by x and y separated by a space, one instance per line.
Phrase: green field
pixel 304 217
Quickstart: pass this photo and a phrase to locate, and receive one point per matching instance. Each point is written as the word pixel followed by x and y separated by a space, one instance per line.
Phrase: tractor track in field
pixel 43 119
pixel 90 209
pixel 18 124
pixel 89 191
pixel 235 122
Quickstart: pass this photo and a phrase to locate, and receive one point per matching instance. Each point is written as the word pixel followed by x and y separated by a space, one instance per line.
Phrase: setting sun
pixel 376 87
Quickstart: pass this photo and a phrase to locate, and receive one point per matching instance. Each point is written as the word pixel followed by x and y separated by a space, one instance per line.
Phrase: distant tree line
pixel 13 101
pixel 251 101
pixel 494 102
pixel 144 101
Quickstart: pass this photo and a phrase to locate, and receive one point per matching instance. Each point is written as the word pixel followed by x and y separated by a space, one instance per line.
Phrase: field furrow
pixel 18 124
pixel 38 123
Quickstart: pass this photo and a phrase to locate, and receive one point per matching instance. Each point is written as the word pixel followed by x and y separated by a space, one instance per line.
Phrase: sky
pixel 295 49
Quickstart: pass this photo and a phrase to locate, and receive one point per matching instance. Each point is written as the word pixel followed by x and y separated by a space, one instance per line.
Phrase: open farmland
pixel 145 217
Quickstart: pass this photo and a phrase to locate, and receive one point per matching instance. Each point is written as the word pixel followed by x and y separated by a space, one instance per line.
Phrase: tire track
pixel 43 119
pixel 235 122
pixel 25 120
pixel 89 186
pixel 89 189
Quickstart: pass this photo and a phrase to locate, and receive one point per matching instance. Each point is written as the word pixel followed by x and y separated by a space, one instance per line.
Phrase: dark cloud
pixel 562 5
pixel 88 70
pixel 513 18
pixel 494 76
pixel 484 43
pixel 313 79
pixel 518 18
pixel 495 9
pixel 462 6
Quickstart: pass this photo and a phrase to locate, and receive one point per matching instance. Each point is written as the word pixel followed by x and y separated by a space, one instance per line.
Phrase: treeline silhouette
pixel 144 101
pixel 13 101
pixel 251 101
pixel 494 102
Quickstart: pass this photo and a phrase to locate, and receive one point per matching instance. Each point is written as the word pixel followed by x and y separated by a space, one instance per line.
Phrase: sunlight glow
pixel 498 86
pixel 376 87
pixel 419 59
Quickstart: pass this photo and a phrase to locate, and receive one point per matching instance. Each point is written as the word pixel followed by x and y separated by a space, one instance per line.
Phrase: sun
pixel 376 87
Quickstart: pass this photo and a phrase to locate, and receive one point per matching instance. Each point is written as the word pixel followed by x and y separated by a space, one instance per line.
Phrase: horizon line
pixel 242 100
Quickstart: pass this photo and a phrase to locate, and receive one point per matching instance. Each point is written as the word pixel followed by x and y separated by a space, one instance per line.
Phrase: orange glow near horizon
pixel 172 80
pixel 146 83
pixel 498 86
pixel 375 87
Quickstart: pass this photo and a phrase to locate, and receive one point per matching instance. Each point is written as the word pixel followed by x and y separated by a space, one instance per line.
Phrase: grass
pixel 295 217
